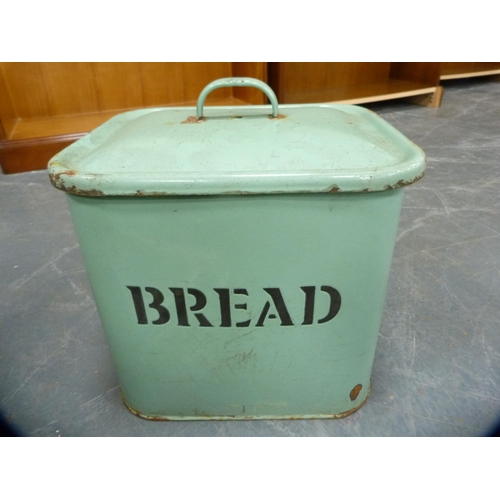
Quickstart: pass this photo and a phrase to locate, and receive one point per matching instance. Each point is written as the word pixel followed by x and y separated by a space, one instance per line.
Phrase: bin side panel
pixel 240 306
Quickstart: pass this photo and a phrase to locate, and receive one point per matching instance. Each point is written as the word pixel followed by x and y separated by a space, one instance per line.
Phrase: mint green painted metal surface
pixel 237 82
pixel 218 305
pixel 323 148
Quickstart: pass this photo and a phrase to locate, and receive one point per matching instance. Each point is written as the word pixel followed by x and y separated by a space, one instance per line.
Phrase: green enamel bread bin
pixel 239 256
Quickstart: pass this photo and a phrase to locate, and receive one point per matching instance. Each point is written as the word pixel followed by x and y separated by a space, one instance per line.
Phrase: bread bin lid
pixel 313 148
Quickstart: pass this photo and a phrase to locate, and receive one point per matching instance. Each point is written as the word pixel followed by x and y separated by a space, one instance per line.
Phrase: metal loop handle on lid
pixel 237 82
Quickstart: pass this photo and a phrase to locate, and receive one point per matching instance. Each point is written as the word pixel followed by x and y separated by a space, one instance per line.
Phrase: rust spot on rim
pixel 58 182
pixel 140 192
pixel 402 183
pixel 56 178
pixel 83 192
pixel 245 417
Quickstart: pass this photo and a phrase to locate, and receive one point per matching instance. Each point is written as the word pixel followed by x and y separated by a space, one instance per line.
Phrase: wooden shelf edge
pixel 54 126
pixel 386 97
pixel 13 144
pixel 472 74
pixel 25 155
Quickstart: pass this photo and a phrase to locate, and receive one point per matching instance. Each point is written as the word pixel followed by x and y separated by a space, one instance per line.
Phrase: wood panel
pixel 352 82
pixel 50 89
pixel 253 70
pixel 29 128
pixel 468 69
pixel 374 92
pixel 46 106
pixel 3 133
pixel 276 79
pixel 181 83
pixel 32 154
pixel 7 111
pixel 57 89
pixel 316 82
pixel 422 72
pixel 335 74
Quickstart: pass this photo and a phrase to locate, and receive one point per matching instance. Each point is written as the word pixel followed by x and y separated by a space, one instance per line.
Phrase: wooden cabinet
pixel 46 106
pixel 355 83
pixel 451 70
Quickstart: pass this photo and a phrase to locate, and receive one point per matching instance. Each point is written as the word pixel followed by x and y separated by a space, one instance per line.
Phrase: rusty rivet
pixel 193 119
pixel 355 392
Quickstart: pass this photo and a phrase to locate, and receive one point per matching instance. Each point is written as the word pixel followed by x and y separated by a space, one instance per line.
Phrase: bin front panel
pixel 240 306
